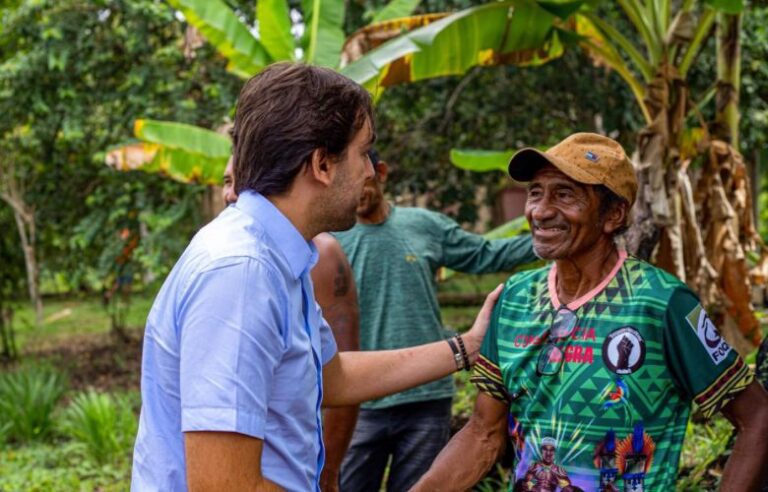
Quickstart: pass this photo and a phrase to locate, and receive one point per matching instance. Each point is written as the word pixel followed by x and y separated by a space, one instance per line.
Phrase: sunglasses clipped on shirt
pixel 551 358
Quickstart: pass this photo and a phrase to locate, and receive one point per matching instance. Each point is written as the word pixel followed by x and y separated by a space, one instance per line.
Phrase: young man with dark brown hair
pixel 237 357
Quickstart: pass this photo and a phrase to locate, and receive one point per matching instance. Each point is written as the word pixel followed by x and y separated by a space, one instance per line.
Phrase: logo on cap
pixel 591 156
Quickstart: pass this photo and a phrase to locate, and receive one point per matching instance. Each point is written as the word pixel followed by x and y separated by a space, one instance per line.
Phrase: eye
pixel 564 194
pixel 534 193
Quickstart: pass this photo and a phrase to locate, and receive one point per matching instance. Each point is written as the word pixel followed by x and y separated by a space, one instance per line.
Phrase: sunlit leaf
pixel 227 33
pixel 395 10
pixel 481 160
pixel 514 32
pixel 275 29
pixel 324 33
pixel 183 152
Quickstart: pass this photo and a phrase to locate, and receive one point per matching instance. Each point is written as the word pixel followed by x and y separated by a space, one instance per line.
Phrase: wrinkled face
pixel 547 454
pixel 353 170
pixel 228 191
pixel 563 215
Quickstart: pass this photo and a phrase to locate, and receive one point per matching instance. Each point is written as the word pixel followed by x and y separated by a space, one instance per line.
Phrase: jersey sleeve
pixel 703 364
pixel 486 374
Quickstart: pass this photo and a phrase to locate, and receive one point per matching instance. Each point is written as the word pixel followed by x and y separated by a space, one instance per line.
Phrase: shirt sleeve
pixel 328 346
pixel 705 367
pixel 486 374
pixel 472 253
pixel 231 341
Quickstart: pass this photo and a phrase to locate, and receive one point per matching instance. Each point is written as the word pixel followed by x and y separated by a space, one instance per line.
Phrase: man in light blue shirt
pixel 237 357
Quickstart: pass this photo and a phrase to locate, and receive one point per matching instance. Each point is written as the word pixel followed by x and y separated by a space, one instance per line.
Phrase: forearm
pixel 451 470
pixel 338 427
pixel 746 470
pixel 364 376
pixel 748 412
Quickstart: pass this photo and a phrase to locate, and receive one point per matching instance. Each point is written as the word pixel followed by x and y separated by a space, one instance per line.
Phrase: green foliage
pixel 74 75
pixel 395 9
pixel 225 30
pixel 27 400
pixel 481 161
pixel 60 467
pixel 520 33
pixel 103 423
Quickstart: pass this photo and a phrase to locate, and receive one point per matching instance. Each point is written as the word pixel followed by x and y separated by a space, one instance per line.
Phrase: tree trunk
pixel 726 126
pixel 25 222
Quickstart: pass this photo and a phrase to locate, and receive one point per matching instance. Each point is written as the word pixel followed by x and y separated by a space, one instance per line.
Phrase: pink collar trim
pixel 577 303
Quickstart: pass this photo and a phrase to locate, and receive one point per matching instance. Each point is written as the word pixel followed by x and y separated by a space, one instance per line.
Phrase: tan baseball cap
pixel 587 158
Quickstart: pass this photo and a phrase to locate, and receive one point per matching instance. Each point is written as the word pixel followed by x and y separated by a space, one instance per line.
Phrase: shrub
pixel 27 400
pixel 104 424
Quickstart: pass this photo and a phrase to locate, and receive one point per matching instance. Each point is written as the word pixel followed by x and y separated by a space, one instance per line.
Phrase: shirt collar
pixel 300 253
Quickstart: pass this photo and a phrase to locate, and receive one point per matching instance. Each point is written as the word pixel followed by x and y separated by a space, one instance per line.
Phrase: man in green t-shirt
pixel 395 253
pixel 590 365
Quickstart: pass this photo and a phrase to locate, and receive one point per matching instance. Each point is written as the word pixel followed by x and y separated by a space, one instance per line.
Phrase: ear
pixel 616 217
pixel 382 172
pixel 321 167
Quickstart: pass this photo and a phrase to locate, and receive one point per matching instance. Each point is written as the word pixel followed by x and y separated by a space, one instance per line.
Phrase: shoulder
pixel 327 246
pixel 652 280
pixel 523 280
pixel 331 256
pixel 418 214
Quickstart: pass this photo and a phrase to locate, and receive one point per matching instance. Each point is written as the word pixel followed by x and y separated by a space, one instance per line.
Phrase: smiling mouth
pixel 548 231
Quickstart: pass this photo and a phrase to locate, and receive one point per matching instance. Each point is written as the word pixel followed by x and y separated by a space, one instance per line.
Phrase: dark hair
pixel 286 112
pixel 608 200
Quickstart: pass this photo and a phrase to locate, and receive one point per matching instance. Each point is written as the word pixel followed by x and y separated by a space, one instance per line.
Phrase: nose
pixel 542 209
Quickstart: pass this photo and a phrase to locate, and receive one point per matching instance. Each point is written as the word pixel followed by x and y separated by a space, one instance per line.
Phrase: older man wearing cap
pixel 598 350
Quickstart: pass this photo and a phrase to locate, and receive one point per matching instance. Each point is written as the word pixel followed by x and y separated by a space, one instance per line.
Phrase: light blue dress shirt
pixel 235 342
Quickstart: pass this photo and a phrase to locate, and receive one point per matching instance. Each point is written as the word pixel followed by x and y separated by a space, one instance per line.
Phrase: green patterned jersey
pixel 611 414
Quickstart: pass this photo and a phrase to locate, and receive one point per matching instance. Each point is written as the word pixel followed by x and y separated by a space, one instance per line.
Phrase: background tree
pixel 74 74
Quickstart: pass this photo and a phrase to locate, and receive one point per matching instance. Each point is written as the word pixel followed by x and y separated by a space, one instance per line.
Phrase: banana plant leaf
pixel 517 32
pixel 275 29
pixel 481 160
pixel 395 9
pixel 182 152
pixel 227 33
pixel 324 35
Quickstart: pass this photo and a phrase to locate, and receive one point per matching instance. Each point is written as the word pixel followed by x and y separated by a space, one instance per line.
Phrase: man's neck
pixel 295 210
pixel 378 216
pixel 578 275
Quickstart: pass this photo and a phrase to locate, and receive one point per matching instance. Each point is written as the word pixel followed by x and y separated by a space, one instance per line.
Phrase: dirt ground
pixel 101 362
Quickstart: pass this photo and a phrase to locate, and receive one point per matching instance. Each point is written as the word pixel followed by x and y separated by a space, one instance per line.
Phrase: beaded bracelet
pixel 458 358
pixel 464 356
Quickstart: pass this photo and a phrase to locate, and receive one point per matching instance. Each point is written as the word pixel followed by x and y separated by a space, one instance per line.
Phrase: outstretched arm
pixel 748 412
pixel 483 438
pixel 354 377
pixel 336 293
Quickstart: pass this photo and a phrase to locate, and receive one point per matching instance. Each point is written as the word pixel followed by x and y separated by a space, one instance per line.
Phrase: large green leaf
pixel 481 160
pixel 183 152
pixel 184 137
pixel 727 6
pixel 324 35
pixel 275 29
pixel 227 33
pixel 519 32
pixel 395 10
